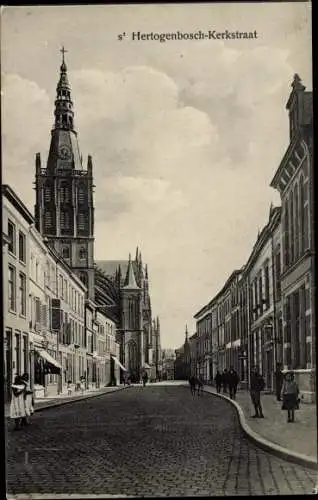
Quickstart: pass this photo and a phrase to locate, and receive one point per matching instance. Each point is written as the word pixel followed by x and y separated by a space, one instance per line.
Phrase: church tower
pixel 132 323
pixel 64 211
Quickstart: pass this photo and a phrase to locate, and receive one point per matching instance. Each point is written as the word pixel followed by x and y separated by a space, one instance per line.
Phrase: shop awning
pixel 118 363
pixel 53 364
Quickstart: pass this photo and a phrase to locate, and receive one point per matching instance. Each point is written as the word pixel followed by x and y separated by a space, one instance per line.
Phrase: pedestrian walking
pixel 69 388
pixel 233 380
pixel 279 379
pixel 82 385
pixel 192 384
pixel 17 406
pixel 145 379
pixel 290 396
pixel 225 381
pixel 200 384
pixel 218 381
pixel 28 399
pixel 257 384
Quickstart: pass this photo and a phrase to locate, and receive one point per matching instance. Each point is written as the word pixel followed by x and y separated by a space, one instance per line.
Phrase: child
pixel 290 396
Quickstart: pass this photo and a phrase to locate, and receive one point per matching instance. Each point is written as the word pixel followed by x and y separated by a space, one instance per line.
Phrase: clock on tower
pixel 65 153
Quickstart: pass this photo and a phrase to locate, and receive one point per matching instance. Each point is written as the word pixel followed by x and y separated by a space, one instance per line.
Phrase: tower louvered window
pixel 65 220
pixel 65 194
pixel 82 220
pixel 47 220
pixel 47 193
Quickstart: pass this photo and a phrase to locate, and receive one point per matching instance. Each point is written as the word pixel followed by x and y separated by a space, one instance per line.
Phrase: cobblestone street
pixel 145 442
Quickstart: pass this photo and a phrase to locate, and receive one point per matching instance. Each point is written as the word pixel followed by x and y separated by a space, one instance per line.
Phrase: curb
pixel 76 400
pixel 264 444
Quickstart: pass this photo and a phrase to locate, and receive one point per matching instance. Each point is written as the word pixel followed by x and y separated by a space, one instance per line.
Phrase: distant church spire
pixel 186 333
pixel 64 114
pixel 130 281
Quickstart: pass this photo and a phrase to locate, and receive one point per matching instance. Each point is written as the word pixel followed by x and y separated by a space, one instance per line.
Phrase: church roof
pixel 110 266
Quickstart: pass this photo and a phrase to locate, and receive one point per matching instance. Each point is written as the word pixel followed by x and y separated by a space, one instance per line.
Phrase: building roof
pixel 228 282
pixel 18 204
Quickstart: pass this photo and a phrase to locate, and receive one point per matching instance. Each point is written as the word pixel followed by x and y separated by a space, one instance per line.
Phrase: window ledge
pixel 12 254
pixel 23 263
pixel 13 312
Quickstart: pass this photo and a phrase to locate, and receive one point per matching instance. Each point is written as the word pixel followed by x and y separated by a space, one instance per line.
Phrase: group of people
pixel 287 391
pixel 21 407
pixel 228 380
pixel 196 385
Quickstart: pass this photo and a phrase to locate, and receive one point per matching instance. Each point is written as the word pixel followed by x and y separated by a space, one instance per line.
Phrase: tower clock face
pixel 65 153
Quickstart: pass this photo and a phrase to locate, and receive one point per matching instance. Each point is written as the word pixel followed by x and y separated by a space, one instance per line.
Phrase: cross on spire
pixel 63 51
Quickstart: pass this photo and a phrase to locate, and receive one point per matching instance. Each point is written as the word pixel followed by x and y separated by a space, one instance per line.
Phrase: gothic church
pixel 64 214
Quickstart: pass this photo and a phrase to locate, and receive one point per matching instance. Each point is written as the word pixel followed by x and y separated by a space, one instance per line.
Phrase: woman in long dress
pixel 17 406
pixel 290 396
pixel 28 398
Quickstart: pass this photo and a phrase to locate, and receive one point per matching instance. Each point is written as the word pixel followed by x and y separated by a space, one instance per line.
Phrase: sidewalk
pixel 297 439
pixel 61 399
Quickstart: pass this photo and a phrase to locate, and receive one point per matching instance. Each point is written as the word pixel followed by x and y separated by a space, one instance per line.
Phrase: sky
pixel 185 135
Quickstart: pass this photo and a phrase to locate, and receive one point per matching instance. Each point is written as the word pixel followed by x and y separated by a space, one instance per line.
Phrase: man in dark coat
pixel 233 379
pixel 257 385
pixel 225 380
pixel 218 381
pixel 279 379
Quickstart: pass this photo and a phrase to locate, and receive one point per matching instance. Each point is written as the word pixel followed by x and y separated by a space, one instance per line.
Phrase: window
pixel 61 286
pixel 66 252
pixel 17 354
pixel 22 293
pixel 25 354
pixel 81 194
pixel 47 193
pixel 11 289
pixel 286 235
pixel 37 310
pixel 65 219
pixel 65 193
pixel 11 236
pixel 82 221
pixel 65 290
pixel 277 275
pixel 22 252
pixel 82 253
pixel 266 276
pixel 47 219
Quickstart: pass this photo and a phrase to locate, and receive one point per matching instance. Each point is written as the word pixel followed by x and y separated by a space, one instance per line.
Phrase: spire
pixel 137 254
pixel 146 271
pixel 130 281
pixel 64 114
pixel 186 333
pixel 158 323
